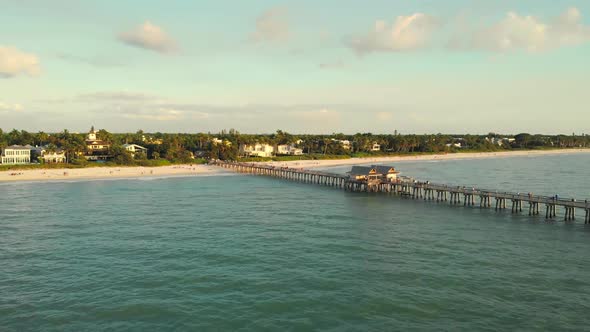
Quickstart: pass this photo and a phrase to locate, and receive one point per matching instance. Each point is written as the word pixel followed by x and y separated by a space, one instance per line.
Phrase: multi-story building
pixel 54 157
pixel 96 149
pixel 257 150
pixel 291 150
pixel 16 155
pixel 135 149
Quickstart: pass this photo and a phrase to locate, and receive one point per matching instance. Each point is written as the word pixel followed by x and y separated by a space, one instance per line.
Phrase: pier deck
pixel 406 187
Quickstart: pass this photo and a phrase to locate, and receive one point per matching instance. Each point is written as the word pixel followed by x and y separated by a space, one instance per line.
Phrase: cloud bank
pixel 406 33
pixel 514 32
pixel 531 34
pixel 150 37
pixel 14 62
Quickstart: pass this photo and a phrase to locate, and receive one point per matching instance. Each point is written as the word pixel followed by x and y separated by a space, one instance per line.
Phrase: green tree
pixel 121 156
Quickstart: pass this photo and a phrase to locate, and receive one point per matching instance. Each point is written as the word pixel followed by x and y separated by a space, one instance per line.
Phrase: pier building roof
pixel 363 170
pixel 383 169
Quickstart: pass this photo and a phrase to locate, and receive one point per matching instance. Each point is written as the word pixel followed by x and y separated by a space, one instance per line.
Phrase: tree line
pixel 183 148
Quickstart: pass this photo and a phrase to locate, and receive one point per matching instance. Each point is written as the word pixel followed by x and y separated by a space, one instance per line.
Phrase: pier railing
pixel 408 187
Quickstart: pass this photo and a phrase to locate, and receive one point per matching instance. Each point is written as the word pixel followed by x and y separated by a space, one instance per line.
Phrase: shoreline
pixel 429 157
pixel 130 172
pixel 106 173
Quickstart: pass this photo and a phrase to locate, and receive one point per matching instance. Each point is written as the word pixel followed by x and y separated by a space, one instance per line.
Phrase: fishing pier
pixel 410 188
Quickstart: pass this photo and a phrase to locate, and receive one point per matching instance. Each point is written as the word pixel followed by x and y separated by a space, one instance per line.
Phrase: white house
pixel 286 149
pixel 257 150
pixel 509 140
pixel 135 149
pixel 16 155
pixel 375 146
pixel 54 157
pixel 344 143
pixel 494 140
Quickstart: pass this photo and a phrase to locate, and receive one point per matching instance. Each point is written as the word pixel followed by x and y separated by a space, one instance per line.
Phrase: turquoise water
pixel 251 253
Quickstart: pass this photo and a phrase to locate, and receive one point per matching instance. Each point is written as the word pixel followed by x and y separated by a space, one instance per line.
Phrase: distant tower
pixel 91 134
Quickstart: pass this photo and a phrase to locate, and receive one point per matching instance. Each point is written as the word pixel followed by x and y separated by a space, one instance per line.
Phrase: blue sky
pixel 301 66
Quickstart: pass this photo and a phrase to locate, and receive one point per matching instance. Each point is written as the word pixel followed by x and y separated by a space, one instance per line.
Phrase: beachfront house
pixel 289 150
pixel 257 150
pixel 16 155
pixel 48 154
pixel 375 147
pixel 135 149
pixel 54 157
pixel 96 149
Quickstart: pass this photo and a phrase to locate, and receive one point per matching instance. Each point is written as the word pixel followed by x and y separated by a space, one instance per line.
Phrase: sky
pixel 415 66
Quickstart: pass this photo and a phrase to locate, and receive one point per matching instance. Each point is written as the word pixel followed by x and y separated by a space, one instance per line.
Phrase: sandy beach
pixel 106 173
pixel 195 170
pixel 450 156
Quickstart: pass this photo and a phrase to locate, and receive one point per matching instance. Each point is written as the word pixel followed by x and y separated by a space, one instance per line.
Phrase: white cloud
pixel 528 33
pixel 14 62
pixel 407 33
pixel 5 107
pixel 272 26
pixel 149 36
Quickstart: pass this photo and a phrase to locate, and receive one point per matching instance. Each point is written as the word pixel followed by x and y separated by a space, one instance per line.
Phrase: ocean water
pixel 247 253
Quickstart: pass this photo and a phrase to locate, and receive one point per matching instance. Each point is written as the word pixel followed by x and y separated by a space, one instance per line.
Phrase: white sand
pixel 106 172
pixel 449 156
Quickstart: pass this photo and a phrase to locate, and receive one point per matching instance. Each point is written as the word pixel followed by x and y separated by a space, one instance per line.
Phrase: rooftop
pixel 17 147
pixel 373 170
pixel 362 170
pixel 384 169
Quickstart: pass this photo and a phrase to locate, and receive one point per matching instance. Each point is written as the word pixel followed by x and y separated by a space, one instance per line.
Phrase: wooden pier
pixel 453 195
